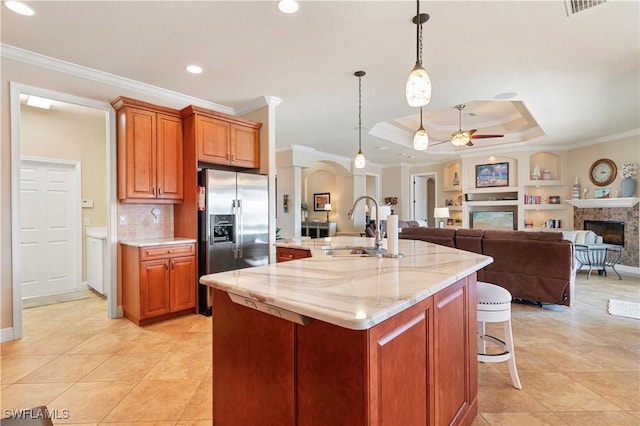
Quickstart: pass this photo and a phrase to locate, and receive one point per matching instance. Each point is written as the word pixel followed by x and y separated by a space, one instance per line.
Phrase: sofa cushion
pixel 441 236
pixel 491 234
pixel 469 240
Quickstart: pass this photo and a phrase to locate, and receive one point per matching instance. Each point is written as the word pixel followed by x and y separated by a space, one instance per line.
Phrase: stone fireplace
pixel 606 219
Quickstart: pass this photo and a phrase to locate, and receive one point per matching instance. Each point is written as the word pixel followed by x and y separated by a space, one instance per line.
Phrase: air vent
pixel 575 6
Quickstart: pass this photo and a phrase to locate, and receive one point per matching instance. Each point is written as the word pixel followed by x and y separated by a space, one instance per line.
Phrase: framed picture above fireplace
pixel 492 175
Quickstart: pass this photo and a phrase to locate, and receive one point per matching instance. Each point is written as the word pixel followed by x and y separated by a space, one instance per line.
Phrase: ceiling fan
pixel 463 137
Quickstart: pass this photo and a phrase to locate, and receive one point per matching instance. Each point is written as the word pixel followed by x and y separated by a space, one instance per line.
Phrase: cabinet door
pixel 455 348
pixel 245 146
pixel 212 138
pixel 183 283
pixel 169 157
pixel 140 154
pixel 154 288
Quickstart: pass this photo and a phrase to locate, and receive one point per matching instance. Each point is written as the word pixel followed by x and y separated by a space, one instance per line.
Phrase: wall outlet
pixel 87 221
pixel 122 220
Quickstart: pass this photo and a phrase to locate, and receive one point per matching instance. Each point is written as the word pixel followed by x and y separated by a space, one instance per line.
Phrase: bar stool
pixel 494 305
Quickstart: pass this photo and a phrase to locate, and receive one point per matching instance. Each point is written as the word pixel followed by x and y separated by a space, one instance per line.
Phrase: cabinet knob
pixel 169 251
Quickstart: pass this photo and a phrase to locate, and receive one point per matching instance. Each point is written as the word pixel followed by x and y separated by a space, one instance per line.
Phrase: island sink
pixel 352 251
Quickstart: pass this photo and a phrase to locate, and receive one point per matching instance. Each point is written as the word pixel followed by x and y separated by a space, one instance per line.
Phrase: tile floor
pixel 577 365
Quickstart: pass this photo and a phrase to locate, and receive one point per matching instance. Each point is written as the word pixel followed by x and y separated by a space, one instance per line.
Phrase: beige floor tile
pixel 194 423
pixel 202 324
pixel 175 325
pixel 558 392
pixel 169 423
pixel 101 343
pixel 496 394
pixel 480 421
pixel 180 365
pixel 149 342
pixel 15 368
pixel 199 408
pixel 123 367
pixel 90 401
pixel 47 345
pixel 24 396
pixel 153 400
pixel 620 388
pixel 599 418
pixel 65 368
pixel 523 419
pixel 193 342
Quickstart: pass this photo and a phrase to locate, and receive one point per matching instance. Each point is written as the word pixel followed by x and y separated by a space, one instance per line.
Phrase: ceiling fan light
pixel 460 138
pixel 421 140
pixel 359 161
pixel 418 90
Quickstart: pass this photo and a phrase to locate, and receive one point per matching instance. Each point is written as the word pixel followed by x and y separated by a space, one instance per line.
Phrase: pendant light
pixel 359 160
pixel 418 90
pixel 421 138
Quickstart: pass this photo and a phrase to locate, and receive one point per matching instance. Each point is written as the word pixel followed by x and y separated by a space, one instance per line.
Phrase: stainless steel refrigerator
pixel 234 225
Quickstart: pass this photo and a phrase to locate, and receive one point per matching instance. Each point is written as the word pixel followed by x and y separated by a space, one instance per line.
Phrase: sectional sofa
pixel 533 266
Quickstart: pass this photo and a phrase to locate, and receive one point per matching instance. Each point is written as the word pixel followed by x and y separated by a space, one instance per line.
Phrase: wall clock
pixel 603 172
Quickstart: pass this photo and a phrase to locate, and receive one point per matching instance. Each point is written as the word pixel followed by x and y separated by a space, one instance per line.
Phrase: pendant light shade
pixel 359 161
pixel 421 138
pixel 418 89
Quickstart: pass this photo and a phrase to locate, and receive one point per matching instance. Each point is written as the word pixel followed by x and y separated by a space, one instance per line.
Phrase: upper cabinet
pixel 222 139
pixel 150 152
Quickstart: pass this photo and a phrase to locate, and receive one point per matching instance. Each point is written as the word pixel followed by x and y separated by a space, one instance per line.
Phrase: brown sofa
pixel 533 266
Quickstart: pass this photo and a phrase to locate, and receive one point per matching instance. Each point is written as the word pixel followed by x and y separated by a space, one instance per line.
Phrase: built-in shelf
pixel 545 207
pixel 492 203
pixel 493 189
pixel 455 208
pixel 604 202
pixel 550 182
pixel 452 188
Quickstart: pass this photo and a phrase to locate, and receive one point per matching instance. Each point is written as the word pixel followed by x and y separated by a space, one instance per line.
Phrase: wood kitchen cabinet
pixel 285 254
pixel 222 139
pixel 158 282
pixel 150 152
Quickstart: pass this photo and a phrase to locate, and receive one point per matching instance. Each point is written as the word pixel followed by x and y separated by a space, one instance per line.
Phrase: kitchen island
pixel 346 340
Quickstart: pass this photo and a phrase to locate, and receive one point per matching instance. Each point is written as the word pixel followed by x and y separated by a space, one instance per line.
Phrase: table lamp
pixel 327 208
pixel 441 213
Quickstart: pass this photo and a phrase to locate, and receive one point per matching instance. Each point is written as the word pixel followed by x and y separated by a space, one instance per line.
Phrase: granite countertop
pixel 157 241
pixel 351 292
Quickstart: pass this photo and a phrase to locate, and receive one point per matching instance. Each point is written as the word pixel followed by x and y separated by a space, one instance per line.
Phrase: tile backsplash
pixel 145 221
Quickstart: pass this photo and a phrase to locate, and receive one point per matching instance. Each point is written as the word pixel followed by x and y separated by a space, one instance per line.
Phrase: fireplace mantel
pixel 604 202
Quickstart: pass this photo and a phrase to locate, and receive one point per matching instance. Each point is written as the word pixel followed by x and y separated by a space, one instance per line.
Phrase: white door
pixel 420 198
pixel 50 226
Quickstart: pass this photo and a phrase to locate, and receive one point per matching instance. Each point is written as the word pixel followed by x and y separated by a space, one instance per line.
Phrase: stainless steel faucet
pixel 378 239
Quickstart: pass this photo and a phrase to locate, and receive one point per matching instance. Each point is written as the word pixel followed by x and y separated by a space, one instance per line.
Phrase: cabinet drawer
pixel 284 254
pixel 167 251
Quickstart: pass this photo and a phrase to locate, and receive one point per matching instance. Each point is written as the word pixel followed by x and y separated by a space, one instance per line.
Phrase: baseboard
pixel 6 334
pixel 628 269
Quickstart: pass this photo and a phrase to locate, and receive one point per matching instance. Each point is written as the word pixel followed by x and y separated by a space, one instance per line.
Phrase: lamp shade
pixel 440 212
pixel 418 89
pixel 327 207
pixel 421 140
pixel 359 161
pixel 384 212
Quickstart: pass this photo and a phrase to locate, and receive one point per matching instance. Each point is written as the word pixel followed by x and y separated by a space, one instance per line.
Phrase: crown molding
pixel 261 102
pixel 42 61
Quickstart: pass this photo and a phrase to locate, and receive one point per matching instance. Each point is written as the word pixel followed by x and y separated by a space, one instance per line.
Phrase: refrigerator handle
pixel 239 219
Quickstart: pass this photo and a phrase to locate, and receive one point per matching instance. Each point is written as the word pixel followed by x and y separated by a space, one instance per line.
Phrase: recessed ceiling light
pixel 506 95
pixel 38 102
pixel 20 8
pixel 382 148
pixel 194 69
pixel 288 6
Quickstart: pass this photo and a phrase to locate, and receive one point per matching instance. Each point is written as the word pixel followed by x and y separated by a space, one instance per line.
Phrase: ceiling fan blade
pixel 486 136
pixel 471 132
pixel 469 143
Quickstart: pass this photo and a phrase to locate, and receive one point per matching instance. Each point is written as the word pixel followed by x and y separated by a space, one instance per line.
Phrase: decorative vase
pixel 627 187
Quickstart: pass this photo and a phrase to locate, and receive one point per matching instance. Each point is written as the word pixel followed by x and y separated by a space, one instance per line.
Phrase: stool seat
pixel 493 297
pixel 494 305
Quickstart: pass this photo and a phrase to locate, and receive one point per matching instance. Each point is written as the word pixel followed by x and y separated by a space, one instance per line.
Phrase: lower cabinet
pixel 158 282
pixel 416 368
